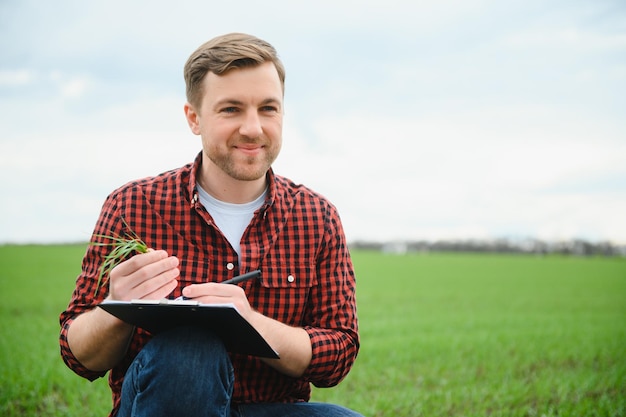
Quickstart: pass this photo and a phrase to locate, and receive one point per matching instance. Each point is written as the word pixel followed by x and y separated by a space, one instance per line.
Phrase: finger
pixel 130 286
pixel 214 293
pixel 155 269
pixel 163 291
pixel 212 289
pixel 154 282
pixel 139 261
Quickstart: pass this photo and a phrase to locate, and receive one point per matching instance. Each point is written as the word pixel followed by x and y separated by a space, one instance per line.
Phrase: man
pixel 225 214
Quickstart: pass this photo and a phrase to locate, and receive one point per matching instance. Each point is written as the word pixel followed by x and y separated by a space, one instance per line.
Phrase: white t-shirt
pixel 231 219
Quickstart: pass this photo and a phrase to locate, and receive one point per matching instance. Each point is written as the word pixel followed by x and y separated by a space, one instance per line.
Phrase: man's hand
pixel 214 293
pixel 150 275
pixel 98 339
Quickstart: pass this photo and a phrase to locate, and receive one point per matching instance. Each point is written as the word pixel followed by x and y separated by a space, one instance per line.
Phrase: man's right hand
pixel 98 339
pixel 150 275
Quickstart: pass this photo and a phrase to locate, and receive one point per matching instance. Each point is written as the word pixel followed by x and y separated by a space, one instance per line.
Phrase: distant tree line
pixel 575 247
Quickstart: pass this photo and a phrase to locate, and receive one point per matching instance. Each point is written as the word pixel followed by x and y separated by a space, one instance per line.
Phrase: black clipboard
pixel 225 320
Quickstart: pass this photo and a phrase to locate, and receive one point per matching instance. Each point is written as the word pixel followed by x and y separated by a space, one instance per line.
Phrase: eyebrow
pixel 232 101
pixel 271 100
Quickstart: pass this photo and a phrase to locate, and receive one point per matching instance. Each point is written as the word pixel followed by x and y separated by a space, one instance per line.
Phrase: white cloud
pixel 486 172
pixel 418 119
pixel 12 78
pixel 74 88
pixel 69 176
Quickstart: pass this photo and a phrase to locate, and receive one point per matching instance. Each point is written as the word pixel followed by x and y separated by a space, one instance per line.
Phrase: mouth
pixel 249 149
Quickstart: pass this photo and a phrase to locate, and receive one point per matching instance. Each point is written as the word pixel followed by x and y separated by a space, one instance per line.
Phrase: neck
pixel 227 189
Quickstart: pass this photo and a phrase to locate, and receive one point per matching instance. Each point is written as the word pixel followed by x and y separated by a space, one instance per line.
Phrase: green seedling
pixel 123 246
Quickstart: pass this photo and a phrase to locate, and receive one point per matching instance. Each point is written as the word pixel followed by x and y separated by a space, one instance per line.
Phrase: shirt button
pixel 290 278
pixel 230 266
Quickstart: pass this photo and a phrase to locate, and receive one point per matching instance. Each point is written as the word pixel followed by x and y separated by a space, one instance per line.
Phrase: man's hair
pixel 223 53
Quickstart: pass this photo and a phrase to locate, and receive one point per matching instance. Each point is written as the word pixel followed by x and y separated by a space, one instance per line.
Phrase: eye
pixel 269 109
pixel 229 110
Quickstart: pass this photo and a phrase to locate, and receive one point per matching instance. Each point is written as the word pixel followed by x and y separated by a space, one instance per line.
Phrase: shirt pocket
pixel 285 291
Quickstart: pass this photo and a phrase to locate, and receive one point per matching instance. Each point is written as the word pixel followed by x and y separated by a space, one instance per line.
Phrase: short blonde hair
pixel 223 53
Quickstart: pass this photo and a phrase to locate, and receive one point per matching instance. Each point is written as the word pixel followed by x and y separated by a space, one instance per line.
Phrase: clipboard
pixel 225 320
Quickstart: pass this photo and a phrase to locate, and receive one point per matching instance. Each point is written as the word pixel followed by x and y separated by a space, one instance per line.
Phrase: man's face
pixel 240 121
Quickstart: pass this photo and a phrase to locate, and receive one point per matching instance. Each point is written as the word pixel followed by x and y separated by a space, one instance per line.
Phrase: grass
pixel 477 335
pixel 35 286
pixel 442 335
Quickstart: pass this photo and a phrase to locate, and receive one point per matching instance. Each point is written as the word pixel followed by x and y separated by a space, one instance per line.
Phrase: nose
pixel 251 125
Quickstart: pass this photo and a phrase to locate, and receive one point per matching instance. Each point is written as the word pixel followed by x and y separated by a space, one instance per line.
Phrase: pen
pixel 243 277
pixel 234 280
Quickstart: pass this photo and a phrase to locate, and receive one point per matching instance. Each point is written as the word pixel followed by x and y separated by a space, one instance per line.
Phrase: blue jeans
pixel 187 372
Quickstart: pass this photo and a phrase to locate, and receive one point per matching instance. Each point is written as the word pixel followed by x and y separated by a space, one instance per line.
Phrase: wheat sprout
pixel 122 248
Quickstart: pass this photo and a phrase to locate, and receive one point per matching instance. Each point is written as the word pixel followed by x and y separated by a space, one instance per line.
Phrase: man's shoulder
pixel 288 189
pixel 167 180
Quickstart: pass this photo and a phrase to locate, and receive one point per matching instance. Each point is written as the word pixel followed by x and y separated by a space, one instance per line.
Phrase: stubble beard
pixel 250 168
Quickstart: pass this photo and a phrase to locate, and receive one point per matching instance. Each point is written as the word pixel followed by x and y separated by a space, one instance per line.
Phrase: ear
pixel 193 119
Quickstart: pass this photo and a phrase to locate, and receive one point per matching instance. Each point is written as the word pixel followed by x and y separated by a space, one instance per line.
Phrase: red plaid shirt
pixel 295 233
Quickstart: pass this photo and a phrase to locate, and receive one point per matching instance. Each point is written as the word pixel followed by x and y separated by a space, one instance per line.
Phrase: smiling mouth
pixel 250 150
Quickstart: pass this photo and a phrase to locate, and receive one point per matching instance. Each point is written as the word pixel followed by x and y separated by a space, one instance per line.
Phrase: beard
pixel 243 167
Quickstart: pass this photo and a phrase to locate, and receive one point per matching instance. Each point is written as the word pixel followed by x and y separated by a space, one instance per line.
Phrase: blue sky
pixel 419 120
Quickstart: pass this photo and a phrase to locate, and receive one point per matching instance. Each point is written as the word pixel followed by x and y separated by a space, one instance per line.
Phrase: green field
pixel 442 335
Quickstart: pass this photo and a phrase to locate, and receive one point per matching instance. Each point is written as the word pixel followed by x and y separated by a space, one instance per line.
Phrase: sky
pixel 419 120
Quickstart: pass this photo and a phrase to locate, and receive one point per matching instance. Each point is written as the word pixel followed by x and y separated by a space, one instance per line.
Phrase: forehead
pixel 260 82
